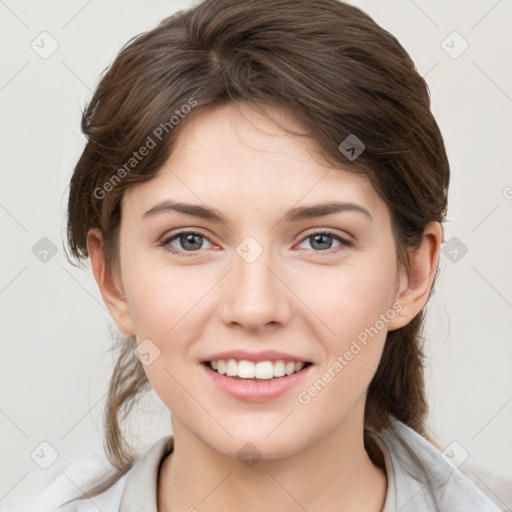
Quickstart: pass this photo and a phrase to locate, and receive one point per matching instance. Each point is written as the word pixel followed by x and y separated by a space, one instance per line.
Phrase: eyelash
pixel 165 243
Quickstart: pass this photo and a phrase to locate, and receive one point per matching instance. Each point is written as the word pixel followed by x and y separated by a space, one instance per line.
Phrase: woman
pixel 261 196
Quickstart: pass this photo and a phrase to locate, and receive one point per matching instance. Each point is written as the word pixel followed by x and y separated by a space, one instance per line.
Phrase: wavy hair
pixel 339 73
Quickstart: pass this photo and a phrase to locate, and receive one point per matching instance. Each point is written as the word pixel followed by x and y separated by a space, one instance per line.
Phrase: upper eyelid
pixel 168 236
pixel 327 231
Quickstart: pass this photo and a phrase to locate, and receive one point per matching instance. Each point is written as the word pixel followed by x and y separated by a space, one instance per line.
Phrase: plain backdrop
pixel 55 363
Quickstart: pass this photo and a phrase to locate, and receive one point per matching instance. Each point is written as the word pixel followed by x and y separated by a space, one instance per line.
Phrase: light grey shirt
pixel 420 479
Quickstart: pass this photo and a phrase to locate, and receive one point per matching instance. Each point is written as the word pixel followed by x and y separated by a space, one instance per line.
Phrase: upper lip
pixel 264 355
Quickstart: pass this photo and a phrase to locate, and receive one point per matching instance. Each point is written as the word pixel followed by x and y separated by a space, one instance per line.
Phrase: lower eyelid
pixel 343 241
pixel 167 240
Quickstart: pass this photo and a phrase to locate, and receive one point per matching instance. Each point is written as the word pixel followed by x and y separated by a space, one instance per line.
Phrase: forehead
pixel 234 153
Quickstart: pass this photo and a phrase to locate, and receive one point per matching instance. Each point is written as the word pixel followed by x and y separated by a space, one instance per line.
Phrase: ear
pixel 110 286
pixel 414 287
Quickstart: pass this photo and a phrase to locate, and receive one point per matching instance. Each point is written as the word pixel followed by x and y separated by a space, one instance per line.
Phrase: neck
pixel 333 474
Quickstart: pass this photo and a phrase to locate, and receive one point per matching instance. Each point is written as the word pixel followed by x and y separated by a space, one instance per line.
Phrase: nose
pixel 254 294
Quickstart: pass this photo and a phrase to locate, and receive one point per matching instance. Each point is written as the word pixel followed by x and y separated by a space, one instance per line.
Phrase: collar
pixel 141 482
pixel 140 489
pixel 416 472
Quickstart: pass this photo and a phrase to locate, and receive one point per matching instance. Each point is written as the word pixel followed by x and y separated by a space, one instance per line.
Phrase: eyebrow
pixel 292 215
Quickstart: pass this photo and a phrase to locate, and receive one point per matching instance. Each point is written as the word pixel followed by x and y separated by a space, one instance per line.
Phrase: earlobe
pixel 110 289
pixel 414 294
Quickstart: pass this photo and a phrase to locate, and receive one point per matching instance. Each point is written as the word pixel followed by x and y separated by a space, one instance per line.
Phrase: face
pixel 273 280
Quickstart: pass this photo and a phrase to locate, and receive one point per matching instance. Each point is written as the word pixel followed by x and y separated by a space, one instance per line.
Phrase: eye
pixel 190 242
pixel 322 241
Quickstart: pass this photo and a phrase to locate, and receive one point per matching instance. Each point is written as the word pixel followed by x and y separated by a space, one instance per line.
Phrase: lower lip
pixel 255 391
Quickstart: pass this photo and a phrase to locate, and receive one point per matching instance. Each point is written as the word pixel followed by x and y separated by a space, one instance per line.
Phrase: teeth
pixel 261 370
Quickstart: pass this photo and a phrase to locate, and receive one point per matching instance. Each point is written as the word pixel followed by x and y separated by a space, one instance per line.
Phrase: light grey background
pixel 55 363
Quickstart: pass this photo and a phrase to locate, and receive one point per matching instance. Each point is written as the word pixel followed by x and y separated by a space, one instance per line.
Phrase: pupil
pixel 322 236
pixel 189 240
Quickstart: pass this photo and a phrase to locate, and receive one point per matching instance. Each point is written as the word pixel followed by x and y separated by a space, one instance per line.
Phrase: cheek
pixel 349 299
pixel 162 298
pixel 352 314
pixel 339 306
pixel 166 308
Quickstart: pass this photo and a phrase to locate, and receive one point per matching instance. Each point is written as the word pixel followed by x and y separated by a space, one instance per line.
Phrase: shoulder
pixel 107 501
pixel 62 493
pixel 425 479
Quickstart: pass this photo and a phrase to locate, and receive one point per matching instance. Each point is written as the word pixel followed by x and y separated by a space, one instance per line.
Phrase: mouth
pixel 261 371
pixel 255 381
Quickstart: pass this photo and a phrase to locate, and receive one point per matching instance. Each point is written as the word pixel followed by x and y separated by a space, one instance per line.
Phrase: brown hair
pixel 339 73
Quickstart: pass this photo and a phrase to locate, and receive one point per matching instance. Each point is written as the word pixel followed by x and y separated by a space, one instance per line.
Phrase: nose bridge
pixel 255 295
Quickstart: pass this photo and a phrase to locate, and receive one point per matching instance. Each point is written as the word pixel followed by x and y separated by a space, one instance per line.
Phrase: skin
pixel 298 296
